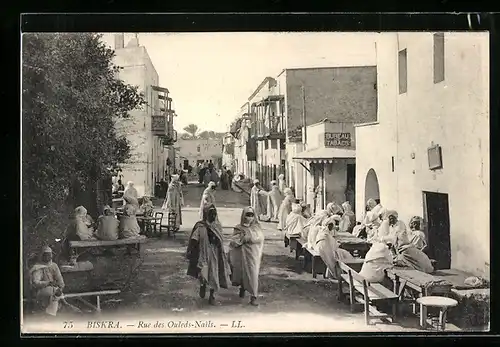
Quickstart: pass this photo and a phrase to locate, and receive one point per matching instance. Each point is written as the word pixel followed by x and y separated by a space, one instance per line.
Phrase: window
pixel 266 144
pixel 198 149
pixel 438 57
pixel 274 144
pixel 403 73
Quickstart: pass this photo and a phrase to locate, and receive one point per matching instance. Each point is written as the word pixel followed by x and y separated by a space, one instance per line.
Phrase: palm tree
pixel 191 129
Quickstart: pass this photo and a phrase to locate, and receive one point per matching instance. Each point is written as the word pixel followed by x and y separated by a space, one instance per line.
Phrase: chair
pixel 156 222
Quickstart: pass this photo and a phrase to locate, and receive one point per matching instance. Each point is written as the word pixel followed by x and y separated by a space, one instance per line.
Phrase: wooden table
pixel 146 223
pixel 354 245
pixel 442 302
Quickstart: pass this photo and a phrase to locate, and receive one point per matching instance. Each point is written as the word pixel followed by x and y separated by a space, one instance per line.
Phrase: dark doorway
pixel 351 185
pixel 437 214
pixel 186 164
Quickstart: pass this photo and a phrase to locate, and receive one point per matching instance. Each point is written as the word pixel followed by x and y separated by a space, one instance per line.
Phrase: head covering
pixel 246 210
pixel 211 184
pixel 371 203
pixel 46 249
pixel 330 220
pixel 347 206
pixel 256 181
pixel 175 177
pixel 107 209
pixel 383 213
pixel 288 191
pixel 80 211
pixel 296 208
pixel 281 176
pixel 392 213
pixel 416 219
pixel 207 209
pixel 130 184
pixel 274 183
pixel 330 208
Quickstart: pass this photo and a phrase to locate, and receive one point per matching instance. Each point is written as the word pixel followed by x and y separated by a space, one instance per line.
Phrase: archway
pixel 371 186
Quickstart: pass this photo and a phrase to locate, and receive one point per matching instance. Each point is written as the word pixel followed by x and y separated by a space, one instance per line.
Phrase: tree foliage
pixel 71 98
pixel 191 129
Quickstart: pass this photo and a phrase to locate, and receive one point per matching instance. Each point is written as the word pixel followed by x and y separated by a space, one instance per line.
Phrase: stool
pixel 442 302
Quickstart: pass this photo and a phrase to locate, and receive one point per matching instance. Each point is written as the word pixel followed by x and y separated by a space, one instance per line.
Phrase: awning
pixel 326 155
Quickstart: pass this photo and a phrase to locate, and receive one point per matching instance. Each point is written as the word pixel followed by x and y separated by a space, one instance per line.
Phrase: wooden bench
pixel 85 267
pixel 294 245
pixel 80 297
pixel 131 242
pixel 97 307
pixel 313 263
pixel 363 292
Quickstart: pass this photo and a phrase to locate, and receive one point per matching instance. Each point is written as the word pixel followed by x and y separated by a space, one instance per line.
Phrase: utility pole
pixel 304 123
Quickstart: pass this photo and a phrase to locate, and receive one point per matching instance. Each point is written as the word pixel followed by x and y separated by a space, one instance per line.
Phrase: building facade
pixel 195 151
pixel 344 95
pixel 427 154
pixel 148 155
pixel 228 144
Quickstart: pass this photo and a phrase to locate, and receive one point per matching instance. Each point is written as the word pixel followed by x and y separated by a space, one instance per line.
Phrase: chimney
pixel 119 40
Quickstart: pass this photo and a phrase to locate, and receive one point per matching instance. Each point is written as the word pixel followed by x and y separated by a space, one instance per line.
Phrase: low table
pixel 441 302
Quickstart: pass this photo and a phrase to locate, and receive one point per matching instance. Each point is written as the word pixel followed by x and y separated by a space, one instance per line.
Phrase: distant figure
pixel 229 177
pixel 348 218
pixel 207 198
pixel 257 194
pixel 224 179
pixel 107 226
pixel 285 208
pixel 319 197
pixel 274 199
pixel 130 195
pixel 245 254
pixel 174 200
pixel 281 183
pixel 207 260
pixel 311 197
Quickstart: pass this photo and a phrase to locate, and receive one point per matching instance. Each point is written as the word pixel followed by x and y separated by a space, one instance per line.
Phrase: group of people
pixel 209 263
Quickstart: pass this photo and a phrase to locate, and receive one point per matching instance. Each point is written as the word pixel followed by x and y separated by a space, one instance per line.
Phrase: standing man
pixel 174 201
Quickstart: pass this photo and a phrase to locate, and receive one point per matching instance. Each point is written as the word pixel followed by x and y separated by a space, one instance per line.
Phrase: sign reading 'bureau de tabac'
pixel 337 139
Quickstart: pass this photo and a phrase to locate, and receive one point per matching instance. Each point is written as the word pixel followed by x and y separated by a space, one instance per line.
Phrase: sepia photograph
pixel 255 182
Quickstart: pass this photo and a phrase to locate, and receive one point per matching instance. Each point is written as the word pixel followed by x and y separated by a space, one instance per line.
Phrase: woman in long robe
pixel 107 226
pixel 208 198
pixel 224 180
pixel 274 199
pixel 327 246
pixel 281 183
pixel 348 218
pixel 245 254
pixel 174 200
pixel 129 228
pixel 79 230
pixel 377 260
pixel 295 222
pixel 405 253
pixel 285 208
pixel 207 259
pixel 257 194
pixel 417 236
pixel 130 195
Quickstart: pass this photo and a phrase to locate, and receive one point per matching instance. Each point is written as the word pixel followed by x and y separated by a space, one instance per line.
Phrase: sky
pixel 211 75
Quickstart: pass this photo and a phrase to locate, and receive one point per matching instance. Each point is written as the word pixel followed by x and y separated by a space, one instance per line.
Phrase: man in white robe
pixel 257 194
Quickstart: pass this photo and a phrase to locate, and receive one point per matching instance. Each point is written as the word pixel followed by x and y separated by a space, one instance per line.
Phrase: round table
pixel 442 302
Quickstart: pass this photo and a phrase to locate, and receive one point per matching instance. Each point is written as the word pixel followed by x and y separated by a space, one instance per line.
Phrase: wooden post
pixel 304 123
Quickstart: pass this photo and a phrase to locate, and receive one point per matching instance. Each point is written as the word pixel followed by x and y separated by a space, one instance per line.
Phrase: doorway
pixel 351 185
pixel 186 164
pixel 437 218
pixel 371 186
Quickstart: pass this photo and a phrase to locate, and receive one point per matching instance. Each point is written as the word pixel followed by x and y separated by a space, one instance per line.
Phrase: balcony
pixel 268 118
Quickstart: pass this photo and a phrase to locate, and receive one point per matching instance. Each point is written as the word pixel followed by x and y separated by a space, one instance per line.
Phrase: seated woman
pixel 295 222
pixel 405 254
pixel 306 213
pixel 417 236
pixel 129 228
pixel 146 206
pixel 315 221
pixel 348 218
pixel 78 229
pixel 377 260
pixel 107 226
pixel 207 260
pixel 327 246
